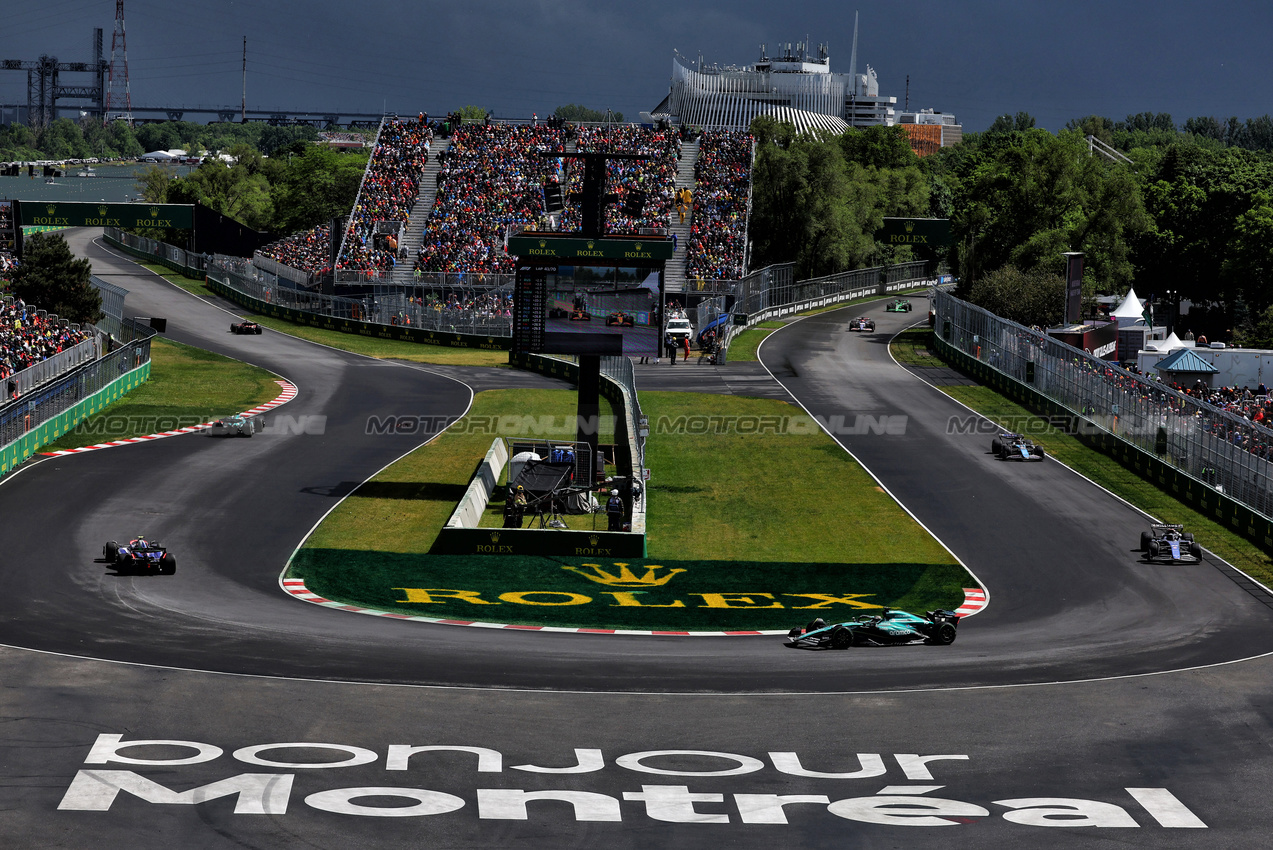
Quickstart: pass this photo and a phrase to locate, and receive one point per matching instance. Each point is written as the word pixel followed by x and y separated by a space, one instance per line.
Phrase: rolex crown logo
pixel 51 209
pixel 910 225
pixel 593 539
pixel 625 577
pixel 589 246
pixel 154 212
pixel 101 210
pixel 494 536
pixel 638 246
pixel 543 243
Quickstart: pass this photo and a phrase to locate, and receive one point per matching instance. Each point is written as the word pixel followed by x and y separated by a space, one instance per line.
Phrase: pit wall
pixel 1204 499
pixel 46 432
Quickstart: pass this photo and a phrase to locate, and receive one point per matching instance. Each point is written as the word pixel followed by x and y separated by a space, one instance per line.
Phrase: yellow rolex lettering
pixel 519 597
pixel 628 599
pixel 737 600
pixel 826 599
pixel 427 595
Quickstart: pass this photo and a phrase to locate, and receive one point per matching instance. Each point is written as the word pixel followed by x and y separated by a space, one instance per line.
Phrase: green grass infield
pixel 644 595
pixel 187 386
pixel 748 499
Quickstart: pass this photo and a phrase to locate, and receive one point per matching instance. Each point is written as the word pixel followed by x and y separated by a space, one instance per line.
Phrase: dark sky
pixel 1056 59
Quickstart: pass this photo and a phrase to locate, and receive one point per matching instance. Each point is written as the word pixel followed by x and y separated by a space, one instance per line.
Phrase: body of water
pixel 114 183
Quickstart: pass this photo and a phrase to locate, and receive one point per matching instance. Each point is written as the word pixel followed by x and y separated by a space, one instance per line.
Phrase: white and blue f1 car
pixel 888 628
pixel 1169 544
pixel 1009 446
pixel 140 555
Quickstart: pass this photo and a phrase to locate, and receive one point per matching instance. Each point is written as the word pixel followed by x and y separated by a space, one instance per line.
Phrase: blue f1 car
pixel 1009 446
pixel 889 628
pixel 1169 544
pixel 140 555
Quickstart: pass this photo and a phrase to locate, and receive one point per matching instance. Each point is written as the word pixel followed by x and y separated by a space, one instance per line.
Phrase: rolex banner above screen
pixel 923 232
pixel 126 216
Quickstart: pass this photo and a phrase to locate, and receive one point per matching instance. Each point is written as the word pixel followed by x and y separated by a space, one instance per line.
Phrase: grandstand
pixel 491 177
pixel 29 337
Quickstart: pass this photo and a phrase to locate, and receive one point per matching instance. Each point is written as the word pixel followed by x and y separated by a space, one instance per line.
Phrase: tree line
pixel 1190 215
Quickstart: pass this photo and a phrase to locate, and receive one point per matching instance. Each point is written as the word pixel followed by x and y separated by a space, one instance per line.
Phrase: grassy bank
pixel 913 347
pixel 187 386
pixel 748 498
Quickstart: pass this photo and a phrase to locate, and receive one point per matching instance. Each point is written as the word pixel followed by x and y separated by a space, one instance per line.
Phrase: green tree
pixel 472 113
pixel 879 147
pixel 52 279
pixel 154 184
pixel 580 114
pixel 62 139
pixel 1028 298
pixel 317 185
pixel 240 191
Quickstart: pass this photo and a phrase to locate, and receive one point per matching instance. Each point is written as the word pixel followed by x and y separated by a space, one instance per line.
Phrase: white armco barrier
pixel 478 495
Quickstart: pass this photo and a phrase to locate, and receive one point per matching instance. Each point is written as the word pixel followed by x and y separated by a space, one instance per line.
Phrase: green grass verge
pixel 187 386
pixel 402 508
pixel 743 348
pixel 678 596
pixel 740 512
pixel 1101 468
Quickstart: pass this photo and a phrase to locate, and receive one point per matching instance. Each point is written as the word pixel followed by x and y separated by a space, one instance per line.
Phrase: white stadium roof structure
pixel 738 113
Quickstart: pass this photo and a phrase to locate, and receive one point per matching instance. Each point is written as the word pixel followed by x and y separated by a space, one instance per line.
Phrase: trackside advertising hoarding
pixel 126 216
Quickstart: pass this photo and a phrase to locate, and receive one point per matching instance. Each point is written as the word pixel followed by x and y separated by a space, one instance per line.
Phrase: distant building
pixel 930 131
pixel 795 86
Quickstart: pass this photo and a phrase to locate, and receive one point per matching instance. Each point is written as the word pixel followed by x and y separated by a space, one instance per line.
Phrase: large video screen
pixel 589 310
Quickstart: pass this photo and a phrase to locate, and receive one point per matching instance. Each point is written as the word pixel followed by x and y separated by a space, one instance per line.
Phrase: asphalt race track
pixel 676 742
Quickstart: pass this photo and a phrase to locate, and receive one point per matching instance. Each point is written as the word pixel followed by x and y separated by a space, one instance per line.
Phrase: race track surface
pixel 218 655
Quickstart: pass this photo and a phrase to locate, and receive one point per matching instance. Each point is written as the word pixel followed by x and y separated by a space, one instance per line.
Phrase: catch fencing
pixel 479 310
pixel 25 421
pixel 1219 448
pixel 184 262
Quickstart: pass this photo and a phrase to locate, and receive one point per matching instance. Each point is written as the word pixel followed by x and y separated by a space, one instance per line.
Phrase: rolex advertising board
pixel 916 232
pixel 126 216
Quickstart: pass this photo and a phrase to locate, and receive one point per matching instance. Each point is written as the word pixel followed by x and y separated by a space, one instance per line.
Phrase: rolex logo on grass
pixel 625 577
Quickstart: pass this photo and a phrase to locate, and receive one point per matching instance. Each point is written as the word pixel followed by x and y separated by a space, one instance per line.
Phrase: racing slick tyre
pixel 167 565
pixel 1037 451
pixel 1187 537
pixel 841 638
pixel 258 330
pixel 1145 539
pixel 943 635
pixel 996 447
pixel 1153 549
pixel 111 551
pixel 1195 550
pixel 125 564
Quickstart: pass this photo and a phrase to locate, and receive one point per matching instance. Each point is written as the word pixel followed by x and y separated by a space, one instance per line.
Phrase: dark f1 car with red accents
pixel 888 628
pixel 140 555
pixel 245 328
pixel 861 323
pixel 1169 544
pixel 1009 446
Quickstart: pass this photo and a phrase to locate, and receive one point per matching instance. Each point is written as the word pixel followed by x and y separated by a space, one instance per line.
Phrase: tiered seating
pixel 306 251
pixel 492 176
pixel 389 191
pixel 656 176
pixel 718 230
pixel 26 339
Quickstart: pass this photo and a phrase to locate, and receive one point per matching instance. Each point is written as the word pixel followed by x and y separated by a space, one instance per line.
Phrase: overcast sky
pixel 1056 59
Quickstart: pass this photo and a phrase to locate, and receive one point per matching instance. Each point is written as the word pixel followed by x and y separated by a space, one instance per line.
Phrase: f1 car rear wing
pixel 1168 527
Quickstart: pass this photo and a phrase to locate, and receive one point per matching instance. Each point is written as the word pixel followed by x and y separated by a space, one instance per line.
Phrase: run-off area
pixel 309 773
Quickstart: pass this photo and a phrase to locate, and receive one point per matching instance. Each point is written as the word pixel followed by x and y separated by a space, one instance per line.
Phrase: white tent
pixel 158 156
pixel 1130 312
pixel 1171 343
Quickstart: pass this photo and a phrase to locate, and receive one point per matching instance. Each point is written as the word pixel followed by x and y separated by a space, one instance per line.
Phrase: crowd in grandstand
pixel 26 338
pixel 718 230
pixel 492 176
pixel 307 250
pixel 7 263
pixel 654 176
pixel 389 191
